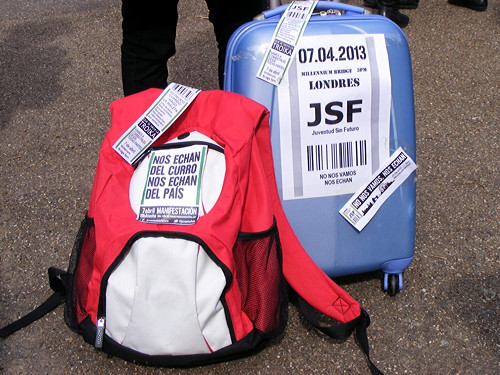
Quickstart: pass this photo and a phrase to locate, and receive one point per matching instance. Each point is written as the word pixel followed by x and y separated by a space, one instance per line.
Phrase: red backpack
pixel 176 284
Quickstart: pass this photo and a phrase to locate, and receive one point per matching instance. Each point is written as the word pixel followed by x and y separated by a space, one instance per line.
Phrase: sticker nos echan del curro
pixel 170 180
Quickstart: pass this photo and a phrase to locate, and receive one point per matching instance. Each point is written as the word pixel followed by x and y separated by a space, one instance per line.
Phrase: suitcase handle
pixel 321 5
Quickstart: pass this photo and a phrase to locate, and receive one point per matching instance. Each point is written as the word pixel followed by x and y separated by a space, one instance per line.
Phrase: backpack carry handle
pixel 321 5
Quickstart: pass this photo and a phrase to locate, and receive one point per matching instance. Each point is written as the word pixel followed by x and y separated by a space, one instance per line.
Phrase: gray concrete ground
pixel 59 71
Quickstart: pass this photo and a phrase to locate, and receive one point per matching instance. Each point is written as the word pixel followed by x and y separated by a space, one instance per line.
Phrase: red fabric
pixel 303 275
pixel 248 202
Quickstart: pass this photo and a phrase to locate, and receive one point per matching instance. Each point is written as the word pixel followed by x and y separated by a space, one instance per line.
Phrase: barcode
pixel 352 215
pixel 297 15
pixel 336 156
pixel 185 91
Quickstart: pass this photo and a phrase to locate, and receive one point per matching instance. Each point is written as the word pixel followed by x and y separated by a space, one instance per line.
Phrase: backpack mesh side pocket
pixel 260 278
pixel 79 273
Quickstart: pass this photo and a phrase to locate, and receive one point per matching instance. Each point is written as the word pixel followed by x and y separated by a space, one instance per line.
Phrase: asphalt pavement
pixel 60 70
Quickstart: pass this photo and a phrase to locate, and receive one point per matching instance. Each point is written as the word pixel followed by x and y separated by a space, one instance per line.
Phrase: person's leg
pixel 226 16
pixel 149 28
pixel 390 9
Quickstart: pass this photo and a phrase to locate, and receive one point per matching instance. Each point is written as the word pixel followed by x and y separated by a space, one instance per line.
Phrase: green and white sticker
pixel 172 186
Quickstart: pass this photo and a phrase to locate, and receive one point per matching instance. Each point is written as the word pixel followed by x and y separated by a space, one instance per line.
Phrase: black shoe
pixel 395 16
pixel 403 4
pixel 479 5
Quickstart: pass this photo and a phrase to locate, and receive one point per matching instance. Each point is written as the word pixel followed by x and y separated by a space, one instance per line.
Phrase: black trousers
pixel 149 29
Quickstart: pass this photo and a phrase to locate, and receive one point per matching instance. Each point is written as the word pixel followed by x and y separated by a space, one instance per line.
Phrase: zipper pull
pixel 99 335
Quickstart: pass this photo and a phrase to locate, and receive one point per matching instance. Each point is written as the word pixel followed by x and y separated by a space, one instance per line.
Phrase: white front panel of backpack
pixel 164 297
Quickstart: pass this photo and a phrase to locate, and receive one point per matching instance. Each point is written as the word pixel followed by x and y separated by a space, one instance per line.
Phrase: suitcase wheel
pixel 393 283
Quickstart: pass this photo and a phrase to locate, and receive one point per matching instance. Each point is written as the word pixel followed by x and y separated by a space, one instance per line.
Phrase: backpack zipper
pixel 99 335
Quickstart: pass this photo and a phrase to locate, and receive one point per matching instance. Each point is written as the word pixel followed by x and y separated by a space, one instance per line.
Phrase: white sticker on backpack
pixel 172 186
pixel 167 108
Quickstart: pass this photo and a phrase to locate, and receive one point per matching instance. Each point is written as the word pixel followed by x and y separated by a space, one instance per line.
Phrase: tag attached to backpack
pixel 184 257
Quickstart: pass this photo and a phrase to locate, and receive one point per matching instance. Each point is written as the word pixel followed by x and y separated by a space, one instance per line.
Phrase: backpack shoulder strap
pixel 57 280
pixel 316 291
pixel 300 271
pixel 342 331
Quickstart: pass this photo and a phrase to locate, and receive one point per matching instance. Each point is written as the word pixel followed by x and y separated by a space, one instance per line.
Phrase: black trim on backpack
pixel 250 344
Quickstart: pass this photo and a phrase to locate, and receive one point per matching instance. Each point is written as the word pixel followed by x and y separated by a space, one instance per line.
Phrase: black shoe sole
pixel 460 4
pixel 374 5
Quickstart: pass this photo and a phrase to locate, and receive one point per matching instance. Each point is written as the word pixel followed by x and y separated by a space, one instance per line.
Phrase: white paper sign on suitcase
pixel 334 107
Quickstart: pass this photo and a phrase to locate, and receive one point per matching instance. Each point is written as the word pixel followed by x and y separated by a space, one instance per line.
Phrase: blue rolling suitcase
pixel 325 95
